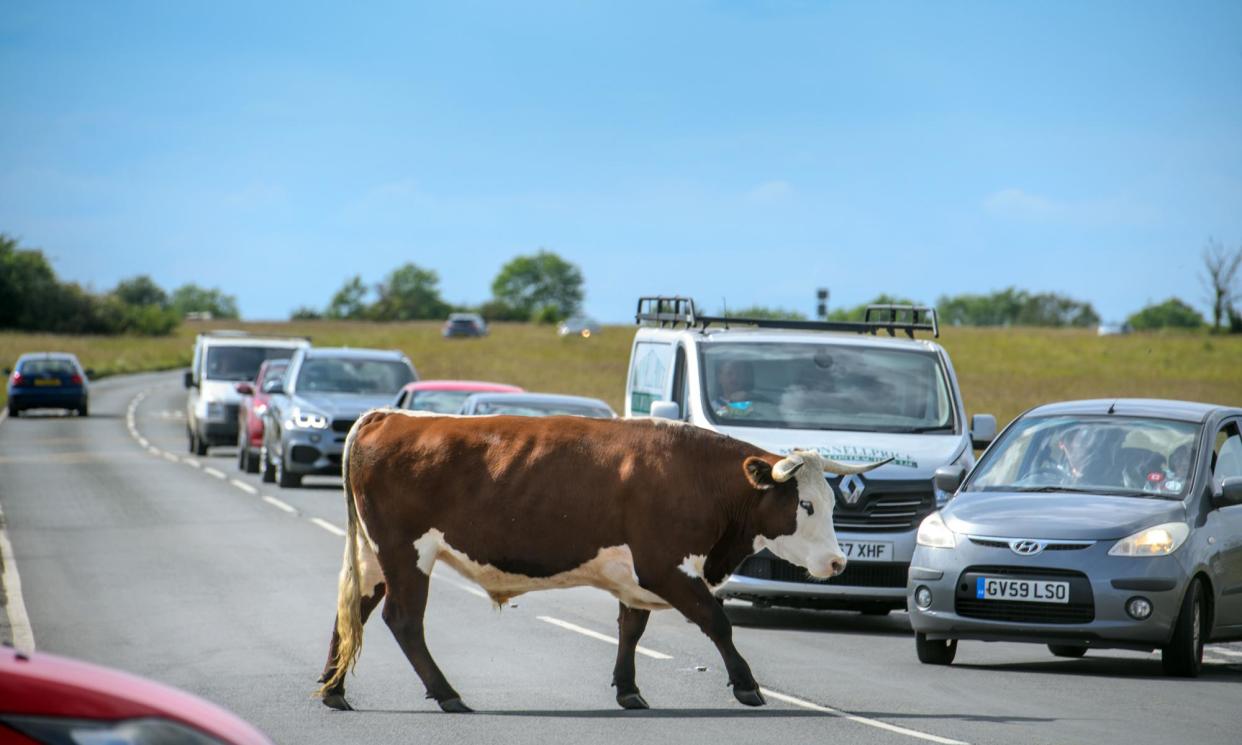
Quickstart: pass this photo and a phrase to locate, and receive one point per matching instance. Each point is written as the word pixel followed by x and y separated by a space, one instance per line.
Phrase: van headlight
pixel 301 418
pixel 933 533
pixel 1160 540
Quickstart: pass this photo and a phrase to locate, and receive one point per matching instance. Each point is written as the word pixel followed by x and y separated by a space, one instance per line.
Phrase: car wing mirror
pixel 947 479
pixel 90 372
pixel 982 430
pixel 274 387
pixel 665 410
pixel 1230 492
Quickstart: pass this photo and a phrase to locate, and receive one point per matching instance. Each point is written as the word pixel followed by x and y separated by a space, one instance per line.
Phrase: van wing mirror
pixel 982 430
pixel 947 479
pixel 189 379
pixel 665 410
pixel 1230 492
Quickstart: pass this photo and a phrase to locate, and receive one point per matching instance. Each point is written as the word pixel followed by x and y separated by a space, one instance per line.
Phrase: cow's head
pixel 797 483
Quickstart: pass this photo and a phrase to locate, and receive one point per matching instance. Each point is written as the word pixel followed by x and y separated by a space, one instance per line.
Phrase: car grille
pixel 342 425
pixel 885 505
pixel 1066 546
pixel 857 574
pixel 1080 609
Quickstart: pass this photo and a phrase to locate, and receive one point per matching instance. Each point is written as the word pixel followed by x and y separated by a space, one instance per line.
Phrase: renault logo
pixel 1026 547
pixel 851 488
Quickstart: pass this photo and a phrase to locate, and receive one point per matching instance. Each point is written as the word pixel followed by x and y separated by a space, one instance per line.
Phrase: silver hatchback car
pixel 1090 524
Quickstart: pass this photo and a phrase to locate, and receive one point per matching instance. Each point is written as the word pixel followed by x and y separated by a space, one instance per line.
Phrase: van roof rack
pixel 670 311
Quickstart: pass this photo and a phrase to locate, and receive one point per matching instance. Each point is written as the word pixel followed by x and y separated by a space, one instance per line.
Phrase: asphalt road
pixel 133 554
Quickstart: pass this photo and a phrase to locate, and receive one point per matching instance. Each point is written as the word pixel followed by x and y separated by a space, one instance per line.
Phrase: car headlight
pixel 1160 540
pixel 306 419
pixel 933 533
pixel 89 731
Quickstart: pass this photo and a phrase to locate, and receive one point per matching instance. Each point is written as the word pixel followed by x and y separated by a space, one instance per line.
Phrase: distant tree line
pixel 540 287
pixel 32 298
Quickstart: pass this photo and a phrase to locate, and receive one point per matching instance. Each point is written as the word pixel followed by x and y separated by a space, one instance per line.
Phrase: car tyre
pixel 14 411
pixel 1067 650
pixel 243 458
pixel 284 478
pixel 1183 655
pixel 83 410
pixel 935 651
pixel 267 474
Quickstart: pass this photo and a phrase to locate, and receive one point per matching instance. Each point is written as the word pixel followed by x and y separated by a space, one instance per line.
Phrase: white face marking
pixel 612 570
pixel 813 544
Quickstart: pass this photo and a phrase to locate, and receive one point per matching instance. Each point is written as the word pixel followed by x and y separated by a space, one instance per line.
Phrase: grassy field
pixel 1002 371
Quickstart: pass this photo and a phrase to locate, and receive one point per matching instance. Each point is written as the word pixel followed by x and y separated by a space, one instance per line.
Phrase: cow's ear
pixel 758 472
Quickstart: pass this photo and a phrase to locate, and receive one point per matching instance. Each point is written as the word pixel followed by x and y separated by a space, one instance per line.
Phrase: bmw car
pixel 1087 525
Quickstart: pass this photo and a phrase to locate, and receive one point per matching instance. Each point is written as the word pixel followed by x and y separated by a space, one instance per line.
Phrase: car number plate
pixel 867 550
pixel 1026 590
pixel 47 381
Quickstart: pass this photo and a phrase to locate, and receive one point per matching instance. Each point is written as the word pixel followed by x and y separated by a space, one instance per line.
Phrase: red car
pixel 445 396
pixel 49 699
pixel 250 413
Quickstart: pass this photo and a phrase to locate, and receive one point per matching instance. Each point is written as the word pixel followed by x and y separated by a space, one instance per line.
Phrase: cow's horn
pixel 785 468
pixel 841 469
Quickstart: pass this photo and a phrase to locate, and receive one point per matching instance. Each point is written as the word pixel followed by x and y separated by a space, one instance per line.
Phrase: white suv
pixel 222 359
pixel 838 387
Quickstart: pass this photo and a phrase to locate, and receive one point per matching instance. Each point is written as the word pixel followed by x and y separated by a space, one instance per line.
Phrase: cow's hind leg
pixel 691 596
pixel 407 601
pixel 335 697
pixel 631 623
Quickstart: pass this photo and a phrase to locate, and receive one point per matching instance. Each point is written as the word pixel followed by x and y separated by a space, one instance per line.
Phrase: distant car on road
pixel 578 326
pixel 445 396
pixel 45 698
pixel 48 380
pixel 464 325
pixel 1090 524
pixel 535 404
pixel 250 413
pixel 311 409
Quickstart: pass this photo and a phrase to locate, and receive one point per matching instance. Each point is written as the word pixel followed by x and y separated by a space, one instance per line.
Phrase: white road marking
pixel 273 501
pixel 602 637
pixel 23 634
pixel 327 526
pixel 244 486
pixel 213 472
pixel 154 450
pixel 794 700
pixel 170 457
pixel 144 442
pixel 191 462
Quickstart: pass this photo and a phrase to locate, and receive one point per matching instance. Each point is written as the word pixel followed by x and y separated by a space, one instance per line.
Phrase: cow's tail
pixel 349 592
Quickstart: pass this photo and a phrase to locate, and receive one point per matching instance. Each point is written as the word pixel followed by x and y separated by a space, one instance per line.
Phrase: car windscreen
pixel 1128 456
pixel 541 409
pixel 48 368
pixel 441 402
pixel 346 375
pixel 240 363
pixel 825 386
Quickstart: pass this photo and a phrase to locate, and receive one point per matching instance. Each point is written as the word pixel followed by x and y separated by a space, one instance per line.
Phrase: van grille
pixel 884 505
pixel 857 574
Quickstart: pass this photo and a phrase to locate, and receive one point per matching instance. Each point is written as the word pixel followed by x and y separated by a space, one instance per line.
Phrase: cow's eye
pixel 806 505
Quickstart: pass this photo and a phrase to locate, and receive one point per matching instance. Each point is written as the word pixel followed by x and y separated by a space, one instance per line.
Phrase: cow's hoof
pixel 750 698
pixel 632 701
pixel 337 701
pixel 455 706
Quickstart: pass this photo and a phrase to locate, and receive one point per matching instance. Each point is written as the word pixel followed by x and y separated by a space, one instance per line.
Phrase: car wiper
pixel 924 430
pixel 1051 488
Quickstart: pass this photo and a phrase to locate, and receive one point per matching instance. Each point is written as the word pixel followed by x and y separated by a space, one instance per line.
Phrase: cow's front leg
pixel 631 622
pixel 691 596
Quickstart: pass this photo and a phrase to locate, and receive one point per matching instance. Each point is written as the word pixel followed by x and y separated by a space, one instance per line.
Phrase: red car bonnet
pixel 43 684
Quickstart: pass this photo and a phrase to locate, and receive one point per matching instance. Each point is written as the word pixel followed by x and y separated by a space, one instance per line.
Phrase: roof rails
pixel 240 334
pixel 673 310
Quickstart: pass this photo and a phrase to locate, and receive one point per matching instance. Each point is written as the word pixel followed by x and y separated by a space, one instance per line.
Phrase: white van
pixel 222 359
pixel 838 387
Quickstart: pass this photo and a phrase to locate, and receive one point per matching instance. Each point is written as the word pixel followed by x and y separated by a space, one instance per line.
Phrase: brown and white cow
pixel 655 513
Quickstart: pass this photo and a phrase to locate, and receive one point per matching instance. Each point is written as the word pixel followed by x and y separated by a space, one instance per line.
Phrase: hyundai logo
pixel 1026 547
pixel 851 488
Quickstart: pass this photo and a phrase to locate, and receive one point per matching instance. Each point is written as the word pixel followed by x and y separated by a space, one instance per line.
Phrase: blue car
pixel 48 380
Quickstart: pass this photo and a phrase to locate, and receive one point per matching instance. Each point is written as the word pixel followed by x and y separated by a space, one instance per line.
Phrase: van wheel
pixel 1183 655
pixel 197 446
pixel 1067 650
pixel 935 651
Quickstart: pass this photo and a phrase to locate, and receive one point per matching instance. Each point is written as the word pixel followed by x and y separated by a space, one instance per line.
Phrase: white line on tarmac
pixel 214 472
pixel 23 635
pixel 602 637
pixel 860 720
pixel 191 462
pixel 273 501
pixel 154 450
pixel 243 486
pixel 170 457
pixel 144 442
pixel 327 526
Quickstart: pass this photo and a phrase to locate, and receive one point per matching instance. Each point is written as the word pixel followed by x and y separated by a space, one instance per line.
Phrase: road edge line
pixel 15 604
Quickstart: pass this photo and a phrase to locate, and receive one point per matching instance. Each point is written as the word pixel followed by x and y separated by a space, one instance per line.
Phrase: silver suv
pixel 840 388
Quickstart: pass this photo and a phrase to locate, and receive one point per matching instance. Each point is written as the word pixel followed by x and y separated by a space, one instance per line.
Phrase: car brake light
pixel 17 378
pixel 76 379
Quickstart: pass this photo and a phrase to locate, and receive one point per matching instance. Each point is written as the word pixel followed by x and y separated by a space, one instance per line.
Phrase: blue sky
pixel 744 151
